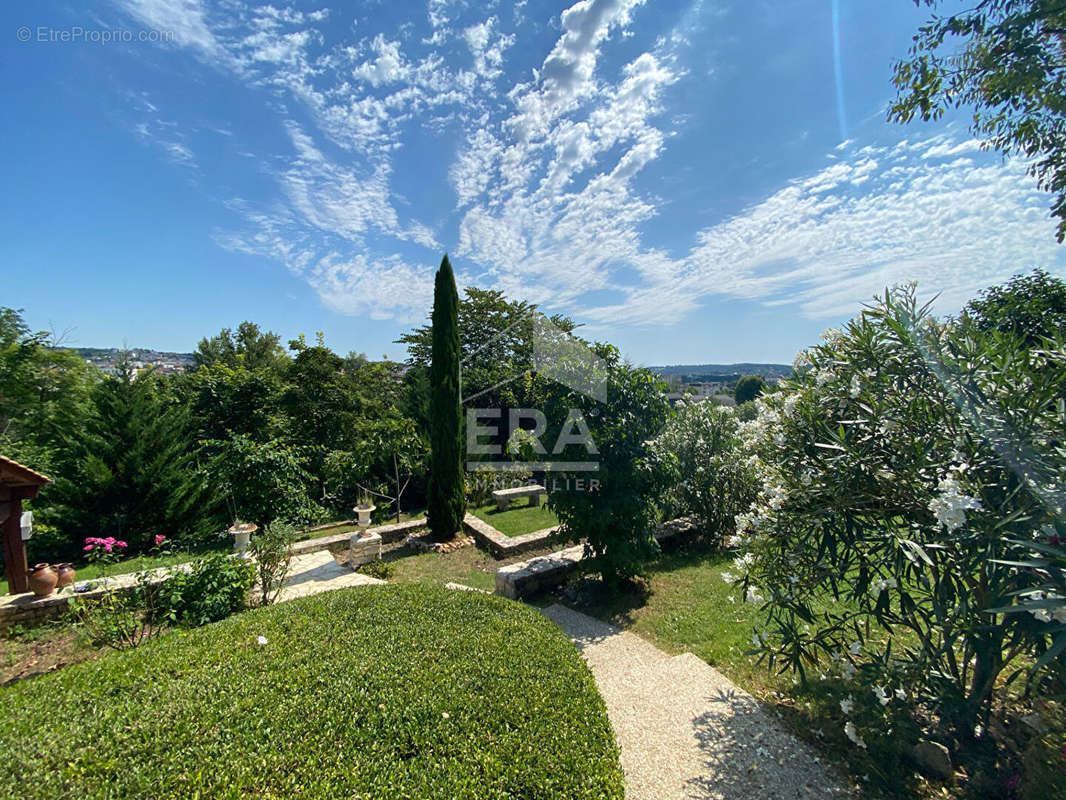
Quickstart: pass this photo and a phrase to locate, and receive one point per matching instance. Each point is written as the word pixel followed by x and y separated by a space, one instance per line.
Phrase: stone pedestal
pixel 363 549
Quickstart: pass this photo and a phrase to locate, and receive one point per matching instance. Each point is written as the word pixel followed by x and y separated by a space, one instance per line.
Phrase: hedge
pixel 410 691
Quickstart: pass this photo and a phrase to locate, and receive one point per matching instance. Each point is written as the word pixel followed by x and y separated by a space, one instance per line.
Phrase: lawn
pixel 470 566
pixel 519 519
pixel 371 692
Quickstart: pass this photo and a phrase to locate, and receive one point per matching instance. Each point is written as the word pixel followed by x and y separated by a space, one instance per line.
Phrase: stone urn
pixel 242 533
pixel 363 511
pixel 66 575
pixel 42 579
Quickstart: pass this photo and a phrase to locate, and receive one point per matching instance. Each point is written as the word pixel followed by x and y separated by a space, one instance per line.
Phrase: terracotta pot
pixel 66 575
pixel 42 579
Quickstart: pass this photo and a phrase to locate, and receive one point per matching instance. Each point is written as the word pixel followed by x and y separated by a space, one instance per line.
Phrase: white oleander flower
pixel 951 505
pixel 881 695
pixel 852 733
pixel 847 705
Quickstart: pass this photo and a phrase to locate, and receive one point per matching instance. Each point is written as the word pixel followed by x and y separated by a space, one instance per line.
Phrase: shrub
pixel 378 568
pixel 717 483
pixel 122 619
pixel 910 473
pixel 272 551
pixel 211 589
pixel 374 692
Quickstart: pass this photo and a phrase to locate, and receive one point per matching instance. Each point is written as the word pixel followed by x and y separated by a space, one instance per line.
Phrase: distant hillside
pixel 723 371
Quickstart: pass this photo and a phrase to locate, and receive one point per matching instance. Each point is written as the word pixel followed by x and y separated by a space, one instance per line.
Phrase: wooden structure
pixel 17 483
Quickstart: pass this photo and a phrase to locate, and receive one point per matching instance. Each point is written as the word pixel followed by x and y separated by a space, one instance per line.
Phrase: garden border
pixel 501 545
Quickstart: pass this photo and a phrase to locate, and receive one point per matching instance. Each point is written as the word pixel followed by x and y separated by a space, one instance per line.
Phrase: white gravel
pixel 685 731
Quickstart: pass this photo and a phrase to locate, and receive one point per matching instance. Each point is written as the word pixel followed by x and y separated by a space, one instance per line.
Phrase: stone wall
pixel 527 578
pixel 501 545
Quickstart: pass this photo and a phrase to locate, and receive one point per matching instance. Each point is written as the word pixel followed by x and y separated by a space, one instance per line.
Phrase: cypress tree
pixel 446 496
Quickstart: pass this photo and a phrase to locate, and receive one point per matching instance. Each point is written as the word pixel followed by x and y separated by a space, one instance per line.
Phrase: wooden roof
pixel 12 473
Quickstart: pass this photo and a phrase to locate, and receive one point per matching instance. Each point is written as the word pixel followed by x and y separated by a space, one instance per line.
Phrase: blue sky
pixel 696 181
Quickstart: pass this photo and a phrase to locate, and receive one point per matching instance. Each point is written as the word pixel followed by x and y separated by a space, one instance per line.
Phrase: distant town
pixel 107 359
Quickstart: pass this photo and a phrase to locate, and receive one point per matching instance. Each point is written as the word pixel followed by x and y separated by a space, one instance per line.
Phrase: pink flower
pixel 88 547
pixel 159 539
pixel 119 544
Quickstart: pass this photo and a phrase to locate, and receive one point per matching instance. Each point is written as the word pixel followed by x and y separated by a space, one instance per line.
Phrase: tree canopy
pixel 1010 68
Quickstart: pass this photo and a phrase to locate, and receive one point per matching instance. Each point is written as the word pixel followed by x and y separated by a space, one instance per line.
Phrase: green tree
pixel 1010 68
pixel 446 494
pixel 131 474
pixel 615 516
pixel 748 388
pixel 496 346
pixel 249 346
pixel 1031 306
pixel 44 392
pixel 260 482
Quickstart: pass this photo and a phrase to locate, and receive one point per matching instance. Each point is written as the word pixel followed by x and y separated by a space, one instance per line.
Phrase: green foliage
pixel 211 589
pixel 907 473
pixel 1008 68
pixel 446 502
pixel 717 481
pixel 260 482
pixel 44 393
pixel 1031 306
pixel 495 342
pixel 378 568
pixel 249 348
pixel 748 388
pixel 131 472
pixel 617 517
pixel 271 548
pixel 385 692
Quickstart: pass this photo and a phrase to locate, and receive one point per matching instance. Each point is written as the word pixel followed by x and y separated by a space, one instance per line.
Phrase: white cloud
pixel 185 19
pixel 381 289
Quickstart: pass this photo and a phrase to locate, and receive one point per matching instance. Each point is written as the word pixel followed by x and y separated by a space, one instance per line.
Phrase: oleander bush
pixel 907 532
pixel 409 691
pixel 717 481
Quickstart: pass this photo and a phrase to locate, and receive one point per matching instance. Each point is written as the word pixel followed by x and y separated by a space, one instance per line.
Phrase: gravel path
pixel 685 731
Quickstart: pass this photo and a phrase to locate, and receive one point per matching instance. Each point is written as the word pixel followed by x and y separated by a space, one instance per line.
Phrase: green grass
pixel 468 565
pixel 519 519
pixel 372 692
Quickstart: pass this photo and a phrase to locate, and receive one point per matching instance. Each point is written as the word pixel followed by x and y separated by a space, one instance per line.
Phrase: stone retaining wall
pixel 501 545
pixel 546 572
pixel 396 532
pixel 28 609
